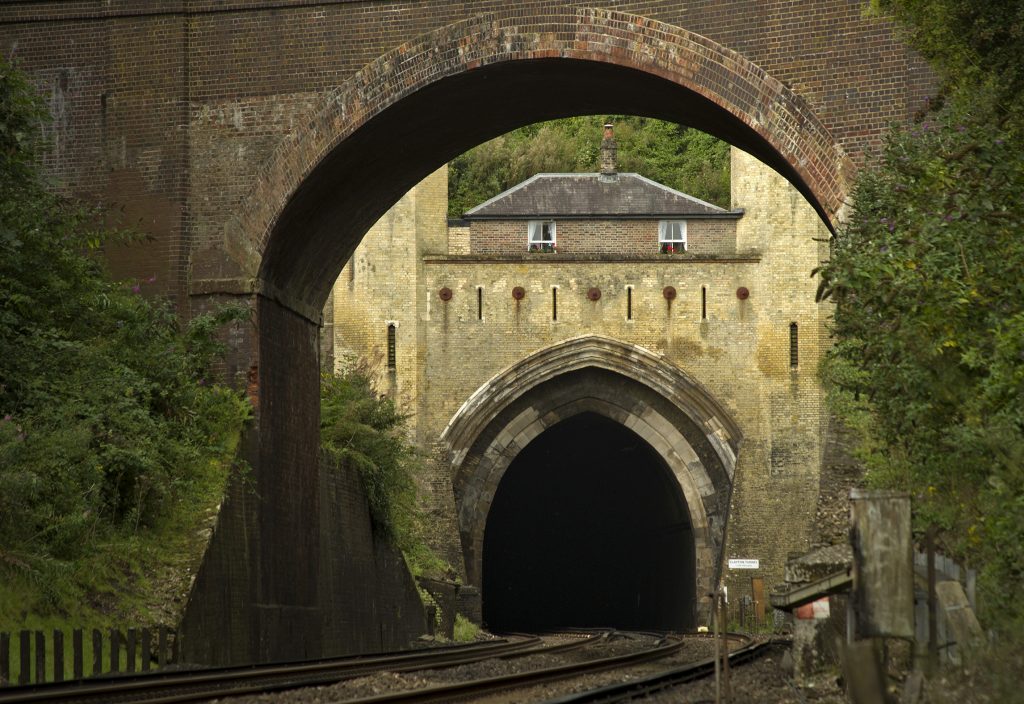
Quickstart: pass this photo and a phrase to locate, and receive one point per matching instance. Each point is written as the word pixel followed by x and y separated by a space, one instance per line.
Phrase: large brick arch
pixel 371 139
pixel 428 100
pixel 694 435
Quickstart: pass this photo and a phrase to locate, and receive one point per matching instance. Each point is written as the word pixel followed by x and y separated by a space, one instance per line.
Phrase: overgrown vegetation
pixel 113 434
pixel 465 630
pixel 685 159
pixel 928 365
pixel 366 431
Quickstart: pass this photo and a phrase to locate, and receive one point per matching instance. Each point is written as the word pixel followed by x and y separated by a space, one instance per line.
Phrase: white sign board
pixel 740 564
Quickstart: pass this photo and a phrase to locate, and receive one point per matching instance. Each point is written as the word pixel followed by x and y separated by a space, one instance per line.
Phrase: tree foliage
pixel 928 363
pixel 685 159
pixel 108 409
pixel 969 42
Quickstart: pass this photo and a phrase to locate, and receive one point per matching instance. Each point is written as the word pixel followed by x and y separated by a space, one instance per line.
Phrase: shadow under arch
pixel 423 103
pixel 694 435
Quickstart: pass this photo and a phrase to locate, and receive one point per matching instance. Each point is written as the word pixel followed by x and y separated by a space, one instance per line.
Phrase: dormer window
pixel 541 236
pixel 672 236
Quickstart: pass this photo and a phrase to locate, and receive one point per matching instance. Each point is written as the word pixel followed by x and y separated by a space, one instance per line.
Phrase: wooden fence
pixel 38 659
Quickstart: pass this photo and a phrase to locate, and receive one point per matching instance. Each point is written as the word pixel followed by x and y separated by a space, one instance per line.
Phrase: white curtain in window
pixel 672 230
pixel 535 230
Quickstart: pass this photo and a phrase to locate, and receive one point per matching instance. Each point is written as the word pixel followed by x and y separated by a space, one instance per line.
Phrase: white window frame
pixel 535 234
pixel 672 232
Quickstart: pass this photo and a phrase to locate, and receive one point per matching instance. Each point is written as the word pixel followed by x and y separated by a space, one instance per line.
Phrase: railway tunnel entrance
pixel 592 483
pixel 340 170
pixel 588 528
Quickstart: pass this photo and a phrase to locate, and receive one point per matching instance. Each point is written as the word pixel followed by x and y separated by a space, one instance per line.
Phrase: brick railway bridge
pixel 258 140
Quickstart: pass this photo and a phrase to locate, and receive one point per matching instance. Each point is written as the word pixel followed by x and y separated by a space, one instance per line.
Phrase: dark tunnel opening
pixel 588 528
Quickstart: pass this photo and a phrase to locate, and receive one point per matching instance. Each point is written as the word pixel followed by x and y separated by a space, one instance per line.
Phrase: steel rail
pixel 163 686
pixel 645 686
pixel 490 685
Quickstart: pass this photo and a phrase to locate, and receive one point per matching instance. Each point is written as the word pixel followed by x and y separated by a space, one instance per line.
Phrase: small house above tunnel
pixel 588 528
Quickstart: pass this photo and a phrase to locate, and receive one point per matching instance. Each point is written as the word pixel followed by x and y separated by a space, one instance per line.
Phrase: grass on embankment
pixel 126 580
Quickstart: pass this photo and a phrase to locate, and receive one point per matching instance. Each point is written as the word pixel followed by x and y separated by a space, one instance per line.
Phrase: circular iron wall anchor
pixel 519 293
pixel 742 293
pixel 669 292
pixel 594 293
pixel 445 294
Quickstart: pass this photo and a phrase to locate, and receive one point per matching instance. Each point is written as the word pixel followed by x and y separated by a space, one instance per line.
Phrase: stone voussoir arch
pixel 629 360
pixel 477 471
pixel 771 110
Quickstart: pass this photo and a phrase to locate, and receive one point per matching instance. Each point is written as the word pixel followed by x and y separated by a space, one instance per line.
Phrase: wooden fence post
pixel 58 655
pixel 77 654
pixel 147 648
pixel 40 657
pixel 25 656
pixel 162 646
pixel 115 650
pixel 130 658
pixel 97 652
pixel 5 659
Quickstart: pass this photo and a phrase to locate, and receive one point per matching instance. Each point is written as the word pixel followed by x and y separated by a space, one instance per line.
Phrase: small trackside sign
pixel 744 564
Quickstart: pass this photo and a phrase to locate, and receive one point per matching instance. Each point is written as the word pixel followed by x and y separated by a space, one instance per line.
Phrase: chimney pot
pixel 608 150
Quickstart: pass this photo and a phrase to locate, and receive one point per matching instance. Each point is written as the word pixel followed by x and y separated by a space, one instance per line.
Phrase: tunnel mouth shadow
pixel 588 528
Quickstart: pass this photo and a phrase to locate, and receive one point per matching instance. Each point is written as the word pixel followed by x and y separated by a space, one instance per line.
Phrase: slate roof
pixel 624 195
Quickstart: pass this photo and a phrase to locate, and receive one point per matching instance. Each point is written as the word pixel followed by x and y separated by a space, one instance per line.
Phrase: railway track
pixel 165 688
pixel 199 685
pixel 674 677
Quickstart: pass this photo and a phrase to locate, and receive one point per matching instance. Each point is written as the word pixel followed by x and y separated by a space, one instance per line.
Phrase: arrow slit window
pixel 794 346
pixel 392 357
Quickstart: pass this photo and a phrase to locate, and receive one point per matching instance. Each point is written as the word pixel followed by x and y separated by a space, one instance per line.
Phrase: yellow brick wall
pixel 380 285
pixel 777 478
pixel 740 351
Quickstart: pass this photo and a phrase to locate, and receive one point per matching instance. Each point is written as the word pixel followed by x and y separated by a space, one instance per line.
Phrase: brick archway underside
pixel 420 105
pixel 625 383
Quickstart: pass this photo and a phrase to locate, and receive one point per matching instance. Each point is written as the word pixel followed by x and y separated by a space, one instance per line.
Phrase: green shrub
pixel 366 431
pixel 108 410
pixel 928 364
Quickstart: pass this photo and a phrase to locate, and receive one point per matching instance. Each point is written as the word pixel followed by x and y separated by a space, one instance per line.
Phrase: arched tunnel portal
pixel 588 527
pixel 592 485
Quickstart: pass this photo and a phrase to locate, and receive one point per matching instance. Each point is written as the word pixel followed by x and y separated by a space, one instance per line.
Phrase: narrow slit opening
pixel 794 346
pixel 392 357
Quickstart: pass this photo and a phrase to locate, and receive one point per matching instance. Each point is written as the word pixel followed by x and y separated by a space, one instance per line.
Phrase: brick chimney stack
pixel 608 149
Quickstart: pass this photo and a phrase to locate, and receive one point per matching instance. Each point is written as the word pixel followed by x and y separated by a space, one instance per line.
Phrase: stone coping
pixel 558 258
